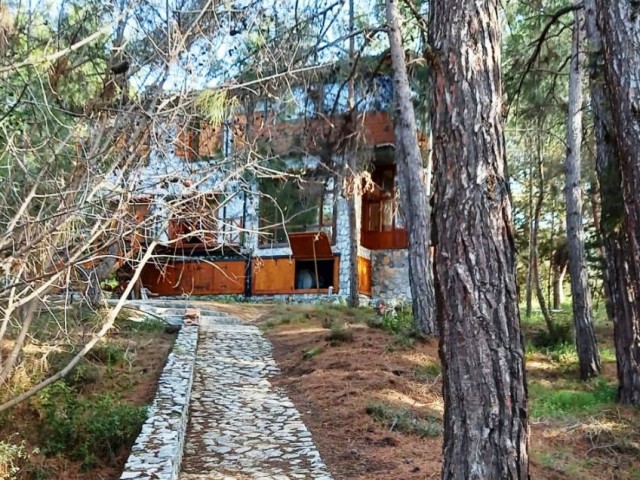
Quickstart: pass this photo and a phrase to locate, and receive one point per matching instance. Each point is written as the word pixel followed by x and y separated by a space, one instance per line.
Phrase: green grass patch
pixel 312 352
pixel 148 325
pixel 404 420
pixel 428 371
pixel 570 398
pixel 564 461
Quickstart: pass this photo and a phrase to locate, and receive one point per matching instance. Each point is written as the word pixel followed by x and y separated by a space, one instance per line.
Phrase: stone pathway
pixel 240 427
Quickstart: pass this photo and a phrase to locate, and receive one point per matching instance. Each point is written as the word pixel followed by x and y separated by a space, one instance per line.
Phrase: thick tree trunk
pixel 354 238
pixel 412 182
pixel 481 349
pixel 586 345
pixel 618 220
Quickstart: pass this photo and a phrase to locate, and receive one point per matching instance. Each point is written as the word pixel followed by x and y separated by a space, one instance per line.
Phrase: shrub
pixel 11 456
pixel 107 353
pixel 83 374
pixel 397 322
pixel 562 334
pixel 339 334
pixel 86 429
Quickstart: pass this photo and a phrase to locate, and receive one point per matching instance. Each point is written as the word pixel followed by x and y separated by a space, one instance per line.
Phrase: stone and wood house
pixel 257 207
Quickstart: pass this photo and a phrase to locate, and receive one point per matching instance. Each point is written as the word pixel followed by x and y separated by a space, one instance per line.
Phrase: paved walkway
pixel 240 427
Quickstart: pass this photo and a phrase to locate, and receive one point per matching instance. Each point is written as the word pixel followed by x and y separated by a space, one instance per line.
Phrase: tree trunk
pixel 412 182
pixel 529 289
pixel 548 320
pixel 559 272
pixel 586 344
pixel 622 284
pixel 354 228
pixel 481 348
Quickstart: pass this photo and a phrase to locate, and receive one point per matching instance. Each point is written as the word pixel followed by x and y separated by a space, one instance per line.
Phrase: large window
pixel 382 221
pixel 194 220
pixel 295 205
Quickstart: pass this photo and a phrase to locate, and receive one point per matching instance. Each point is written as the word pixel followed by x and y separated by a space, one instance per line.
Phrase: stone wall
pixel 390 275
pixel 157 452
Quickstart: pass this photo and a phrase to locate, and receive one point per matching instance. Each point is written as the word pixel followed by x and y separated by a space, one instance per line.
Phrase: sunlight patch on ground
pixel 398 398
pixel 300 330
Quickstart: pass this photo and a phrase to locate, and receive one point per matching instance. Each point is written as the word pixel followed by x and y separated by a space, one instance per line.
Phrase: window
pixel 194 220
pixel 293 206
pixel 382 221
pixel 382 203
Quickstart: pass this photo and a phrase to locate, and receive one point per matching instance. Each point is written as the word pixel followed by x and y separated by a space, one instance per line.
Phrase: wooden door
pixel 364 275
pixel 228 277
pixel 272 275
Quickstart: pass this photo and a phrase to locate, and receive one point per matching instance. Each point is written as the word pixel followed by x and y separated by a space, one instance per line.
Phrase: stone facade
pixel 169 176
pixel 157 452
pixel 390 275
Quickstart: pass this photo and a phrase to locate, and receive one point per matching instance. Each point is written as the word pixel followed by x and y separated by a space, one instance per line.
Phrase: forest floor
pixel 82 427
pixel 371 396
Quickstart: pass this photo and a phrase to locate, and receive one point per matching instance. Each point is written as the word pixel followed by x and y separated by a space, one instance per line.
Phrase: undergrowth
pixel 404 420
pixel 86 428
pixel 340 333
pixel 571 399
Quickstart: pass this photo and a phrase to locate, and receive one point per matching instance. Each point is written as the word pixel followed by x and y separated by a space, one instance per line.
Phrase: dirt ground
pixel 335 387
pixel 133 381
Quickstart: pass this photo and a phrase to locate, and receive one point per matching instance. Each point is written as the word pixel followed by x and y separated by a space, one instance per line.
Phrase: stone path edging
pixel 157 452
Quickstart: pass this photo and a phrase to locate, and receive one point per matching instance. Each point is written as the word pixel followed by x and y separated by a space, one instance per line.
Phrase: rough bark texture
pixel 485 432
pixel 412 182
pixel 617 222
pixel 354 240
pixel 586 345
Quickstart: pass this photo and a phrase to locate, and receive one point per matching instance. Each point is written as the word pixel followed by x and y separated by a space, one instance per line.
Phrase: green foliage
pixel 428 371
pixel 11 456
pixel 215 105
pixel 108 353
pixel 401 322
pixel 550 401
pixel 148 324
pixel 340 333
pixel 312 352
pixel 83 374
pixel 86 429
pixel 561 336
pixel 404 420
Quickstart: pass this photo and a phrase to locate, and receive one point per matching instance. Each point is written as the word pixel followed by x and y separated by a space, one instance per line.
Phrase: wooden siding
pixel 195 278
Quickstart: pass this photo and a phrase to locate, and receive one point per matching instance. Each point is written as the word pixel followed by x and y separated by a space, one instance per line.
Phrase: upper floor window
pixel 295 205
pixel 382 221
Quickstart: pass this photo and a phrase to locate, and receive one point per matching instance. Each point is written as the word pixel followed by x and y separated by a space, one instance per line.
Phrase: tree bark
pixel 354 228
pixel 481 348
pixel 412 182
pixel 608 85
pixel 559 272
pixel 559 264
pixel 586 344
